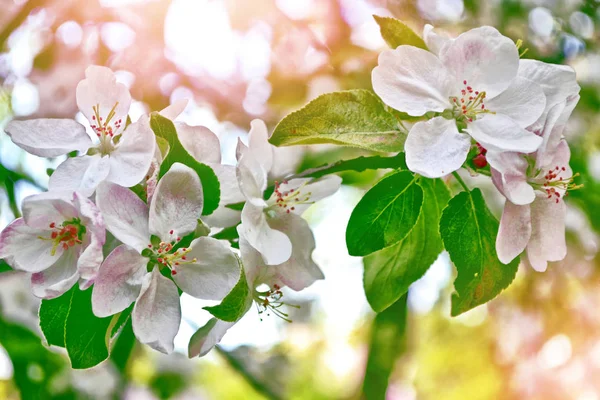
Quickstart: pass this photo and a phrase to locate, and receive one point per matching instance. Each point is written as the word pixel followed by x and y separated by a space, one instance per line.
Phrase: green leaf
pixel 4 267
pixel 469 231
pixel 53 317
pixel 165 129
pixel 389 272
pixel 386 345
pixel 352 118
pixel 396 33
pixel 235 304
pixel 385 215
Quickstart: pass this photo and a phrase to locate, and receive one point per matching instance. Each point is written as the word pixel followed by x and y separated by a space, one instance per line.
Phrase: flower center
pixel 164 254
pixel 68 234
pixel 286 200
pixel 269 301
pixel 555 185
pixel 106 129
pixel 469 104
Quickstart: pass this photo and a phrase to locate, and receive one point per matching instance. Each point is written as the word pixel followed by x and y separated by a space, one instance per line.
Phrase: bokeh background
pixel 246 59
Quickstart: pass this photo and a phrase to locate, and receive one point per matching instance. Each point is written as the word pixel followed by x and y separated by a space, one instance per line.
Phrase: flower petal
pixel 514 231
pixel 214 273
pixel 57 279
pixel 49 137
pixel 547 242
pixel 300 271
pixel 230 194
pixel 90 260
pixel 118 282
pixel 40 210
pixel 435 148
pixel 524 101
pixel 208 337
pixel 258 143
pixel 200 142
pixel 413 80
pixel 309 190
pixel 157 313
pixel 100 89
pixel 81 174
pixel 24 249
pixel 274 246
pixel 91 216
pixel 486 59
pixel 175 109
pixel 131 159
pixel 252 179
pixel 500 133
pixel 125 215
pixel 434 41
pixel 512 170
pixel 176 204
pixel 552 131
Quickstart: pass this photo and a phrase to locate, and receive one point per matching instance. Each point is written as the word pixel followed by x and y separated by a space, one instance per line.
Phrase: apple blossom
pixel 534 185
pixel 474 86
pixel 119 155
pixel 151 236
pixel 59 240
pixel 266 281
pixel 293 196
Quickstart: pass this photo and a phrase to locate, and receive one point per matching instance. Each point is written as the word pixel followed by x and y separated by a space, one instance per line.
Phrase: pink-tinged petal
pixel 41 210
pixel 274 246
pixel 177 203
pixel 174 110
pixel 258 143
pixel 524 101
pixel 56 280
pixel 230 194
pixel 118 282
pixel 100 89
pixel 552 131
pixel 90 259
pixel 125 215
pixel 157 313
pixel 256 270
pixel 300 271
pixel 200 142
pixel 308 190
pixel 82 174
pixel 252 179
pixel 484 58
pixel 435 148
pixel 214 273
pixel 497 132
pixel 512 171
pixel 130 161
pixel 514 231
pixel 562 156
pixel 208 337
pixel 413 80
pixel 547 241
pixel 557 81
pixel 49 137
pixel 434 41
pixel 91 216
pixel 24 249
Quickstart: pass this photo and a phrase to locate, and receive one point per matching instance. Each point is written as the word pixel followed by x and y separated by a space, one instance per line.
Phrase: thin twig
pixel 459 180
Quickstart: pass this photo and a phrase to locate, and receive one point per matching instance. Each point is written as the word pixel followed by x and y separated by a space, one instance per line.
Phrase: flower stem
pixel 459 179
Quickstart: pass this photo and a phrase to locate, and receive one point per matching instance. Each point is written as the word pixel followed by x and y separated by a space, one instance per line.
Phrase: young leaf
pixel 385 215
pixel 53 316
pixel 396 33
pixel 165 129
pixel 352 118
pixel 389 272
pixel 469 230
pixel 235 304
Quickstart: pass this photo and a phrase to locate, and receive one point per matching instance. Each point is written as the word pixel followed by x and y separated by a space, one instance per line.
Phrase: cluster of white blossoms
pixel 62 241
pixel 487 106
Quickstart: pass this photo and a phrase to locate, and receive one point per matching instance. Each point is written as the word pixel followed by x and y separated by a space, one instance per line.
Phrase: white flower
pixel 534 185
pixel 473 83
pixel 297 273
pixel 119 156
pixel 59 240
pixel 207 269
pixel 293 196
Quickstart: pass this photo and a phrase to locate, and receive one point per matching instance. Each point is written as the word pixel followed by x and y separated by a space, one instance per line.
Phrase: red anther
pixel 288 211
pixel 65 246
pixel 93 117
pixel 54 235
pixel 557 200
pixel 71 243
pixel 160 260
pixel 293 208
pixel 183 258
pixel 149 246
pixel 563 168
pixel 483 106
pixel 480 161
pixel 176 263
pixel 178 239
pixel 476 93
pixel 171 232
pixel 465 82
pixel 52 225
pixel 470 119
pixel 173 272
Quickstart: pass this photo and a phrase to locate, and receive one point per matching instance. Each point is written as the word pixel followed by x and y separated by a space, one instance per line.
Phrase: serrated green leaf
pixel 469 230
pixel 165 129
pixel 235 304
pixel 396 33
pixel 354 118
pixel 385 215
pixel 389 272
